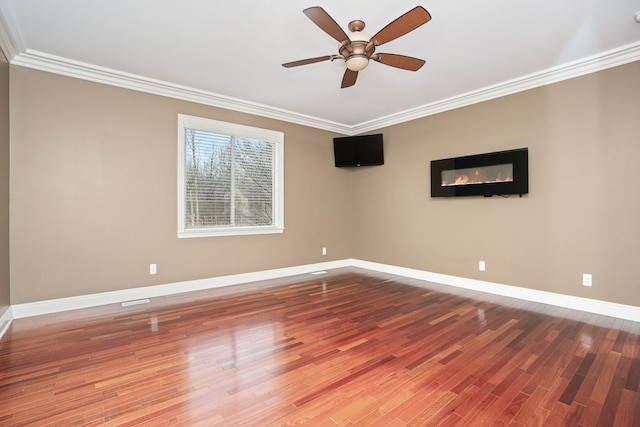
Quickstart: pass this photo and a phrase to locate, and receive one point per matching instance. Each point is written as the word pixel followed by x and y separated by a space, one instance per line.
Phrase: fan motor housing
pixel 357 50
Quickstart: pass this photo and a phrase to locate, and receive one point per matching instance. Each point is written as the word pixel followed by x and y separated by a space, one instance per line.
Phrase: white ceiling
pixel 230 53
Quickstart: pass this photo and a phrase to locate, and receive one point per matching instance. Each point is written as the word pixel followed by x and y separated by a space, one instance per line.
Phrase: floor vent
pixel 136 302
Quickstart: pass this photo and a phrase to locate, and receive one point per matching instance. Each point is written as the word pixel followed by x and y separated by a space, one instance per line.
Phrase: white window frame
pixel 210 125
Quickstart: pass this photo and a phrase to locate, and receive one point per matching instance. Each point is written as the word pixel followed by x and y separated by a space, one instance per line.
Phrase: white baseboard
pixel 94 300
pixel 606 308
pixel 5 321
pixel 621 311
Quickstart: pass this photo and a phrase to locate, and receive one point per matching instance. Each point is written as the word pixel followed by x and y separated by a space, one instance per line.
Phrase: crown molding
pixel 10 42
pixel 81 70
pixel 609 59
pixel 58 65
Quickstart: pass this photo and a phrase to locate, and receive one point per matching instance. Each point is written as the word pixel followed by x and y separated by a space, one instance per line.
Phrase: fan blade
pixel 349 78
pixel 325 22
pixel 306 61
pixel 399 61
pixel 401 26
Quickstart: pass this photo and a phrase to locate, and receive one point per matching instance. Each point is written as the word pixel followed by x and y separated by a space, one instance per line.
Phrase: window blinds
pixel 228 180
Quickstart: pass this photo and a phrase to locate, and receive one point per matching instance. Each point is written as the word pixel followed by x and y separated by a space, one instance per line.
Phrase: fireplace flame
pixel 483 175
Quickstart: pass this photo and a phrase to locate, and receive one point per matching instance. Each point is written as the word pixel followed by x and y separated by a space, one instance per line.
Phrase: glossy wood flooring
pixel 349 347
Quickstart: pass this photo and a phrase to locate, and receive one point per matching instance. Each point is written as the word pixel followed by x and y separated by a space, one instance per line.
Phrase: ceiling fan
pixel 358 47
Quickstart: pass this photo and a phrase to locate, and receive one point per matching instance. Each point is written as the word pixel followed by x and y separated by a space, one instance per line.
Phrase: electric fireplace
pixel 497 173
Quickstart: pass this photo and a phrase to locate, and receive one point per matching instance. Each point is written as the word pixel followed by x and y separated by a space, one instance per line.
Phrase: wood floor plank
pixel 350 347
pixel 530 406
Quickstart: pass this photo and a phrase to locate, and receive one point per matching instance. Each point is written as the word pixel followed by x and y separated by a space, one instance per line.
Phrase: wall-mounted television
pixel 488 174
pixel 361 150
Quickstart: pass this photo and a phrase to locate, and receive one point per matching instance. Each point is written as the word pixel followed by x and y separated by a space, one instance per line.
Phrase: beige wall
pixel 93 185
pixel 4 185
pixel 581 215
pixel 94 192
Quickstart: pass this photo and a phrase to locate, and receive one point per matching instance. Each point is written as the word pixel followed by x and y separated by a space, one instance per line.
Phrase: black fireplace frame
pixel 519 183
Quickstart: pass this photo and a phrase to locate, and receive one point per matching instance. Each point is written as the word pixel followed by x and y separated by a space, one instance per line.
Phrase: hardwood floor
pixel 348 347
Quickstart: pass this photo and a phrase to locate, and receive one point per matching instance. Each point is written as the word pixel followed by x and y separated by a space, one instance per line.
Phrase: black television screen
pixel 363 150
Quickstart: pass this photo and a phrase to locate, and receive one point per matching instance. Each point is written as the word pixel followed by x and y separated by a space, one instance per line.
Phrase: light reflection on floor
pixel 240 368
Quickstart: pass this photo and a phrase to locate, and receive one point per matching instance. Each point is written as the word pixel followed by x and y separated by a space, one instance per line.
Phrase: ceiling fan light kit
pixel 358 47
pixel 357 50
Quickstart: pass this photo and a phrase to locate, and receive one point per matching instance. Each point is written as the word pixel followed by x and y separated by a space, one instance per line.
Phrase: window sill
pixel 208 232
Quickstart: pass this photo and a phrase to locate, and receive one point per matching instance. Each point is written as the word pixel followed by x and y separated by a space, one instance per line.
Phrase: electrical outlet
pixel 324 251
pixel 152 269
pixel 481 266
pixel 587 279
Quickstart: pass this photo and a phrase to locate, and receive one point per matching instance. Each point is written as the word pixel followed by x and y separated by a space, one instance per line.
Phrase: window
pixel 230 179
